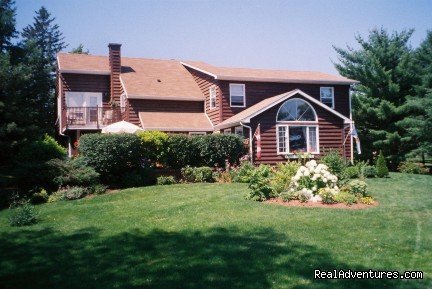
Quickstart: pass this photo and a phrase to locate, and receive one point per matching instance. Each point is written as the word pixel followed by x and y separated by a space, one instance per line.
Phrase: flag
pixel 354 134
pixel 257 135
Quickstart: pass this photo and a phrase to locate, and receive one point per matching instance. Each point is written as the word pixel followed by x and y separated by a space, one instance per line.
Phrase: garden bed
pixel 297 203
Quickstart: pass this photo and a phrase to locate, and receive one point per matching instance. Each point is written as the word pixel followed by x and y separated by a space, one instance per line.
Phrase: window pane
pixel 288 111
pixel 238 130
pixel 326 92
pixel 282 139
pixel 313 139
pixel 305 112
pixel 297 139
pixel 236 89
pixel 237 100
pixel 327 101
pixel 296 110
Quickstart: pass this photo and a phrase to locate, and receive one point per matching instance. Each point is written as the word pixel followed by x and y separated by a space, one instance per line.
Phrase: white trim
pixel 81 71
pixel 284 80
pixel 208 118
pixel 213 87
pixel 244 94
pixel 177 129
pixel 123 86
pixel 180 98
pixel 295 121
pixel 287 135
pixel 198 69
pixel 123 100
pixel 332 97
pixel 351 127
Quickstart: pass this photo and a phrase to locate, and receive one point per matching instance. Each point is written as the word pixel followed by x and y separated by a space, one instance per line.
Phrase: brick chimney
pixel 115 67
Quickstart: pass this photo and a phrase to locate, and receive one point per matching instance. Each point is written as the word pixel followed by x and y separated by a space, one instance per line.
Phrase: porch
pixel 92 117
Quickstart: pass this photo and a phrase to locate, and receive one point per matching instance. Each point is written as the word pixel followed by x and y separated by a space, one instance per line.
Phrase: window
pixel 238 130
pixel 237 95
pixel 296 109
pixel 197 133
pixel 327 96
pixel 227 131
pixel 123 102
pixel 212 97
pixel 296 131
pixel 297 138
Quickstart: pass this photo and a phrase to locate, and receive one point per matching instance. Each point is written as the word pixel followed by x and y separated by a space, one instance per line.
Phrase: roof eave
pixel 81 71
pixel 284 80
pixel 168 97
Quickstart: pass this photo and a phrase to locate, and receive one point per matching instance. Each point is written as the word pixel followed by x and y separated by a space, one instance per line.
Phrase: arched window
pixel 296 110
pixel 295 133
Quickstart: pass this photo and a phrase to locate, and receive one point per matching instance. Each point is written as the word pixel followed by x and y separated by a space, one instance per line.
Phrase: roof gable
pixel 246 115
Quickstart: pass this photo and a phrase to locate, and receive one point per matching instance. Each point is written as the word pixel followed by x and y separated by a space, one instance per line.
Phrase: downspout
pixel 69 141
pixel 250 140
pixel 351 126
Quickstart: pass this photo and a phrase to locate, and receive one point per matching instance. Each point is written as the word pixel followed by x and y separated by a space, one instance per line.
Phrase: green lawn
pixel 207 236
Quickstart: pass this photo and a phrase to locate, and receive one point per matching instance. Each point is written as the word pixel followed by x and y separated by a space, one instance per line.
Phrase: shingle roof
pixel 142 78
pixel 247 114
pixel 175 121
pixel 267 75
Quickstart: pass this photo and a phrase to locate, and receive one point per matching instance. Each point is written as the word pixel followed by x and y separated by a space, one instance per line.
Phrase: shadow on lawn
pixel 220 258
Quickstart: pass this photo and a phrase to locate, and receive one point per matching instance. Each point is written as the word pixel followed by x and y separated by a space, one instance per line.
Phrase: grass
pixel 208 236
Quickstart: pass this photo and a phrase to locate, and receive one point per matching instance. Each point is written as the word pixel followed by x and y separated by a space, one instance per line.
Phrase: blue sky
pixel 292 35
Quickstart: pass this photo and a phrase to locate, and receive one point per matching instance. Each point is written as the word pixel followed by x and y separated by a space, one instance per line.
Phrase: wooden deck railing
pixel 92 117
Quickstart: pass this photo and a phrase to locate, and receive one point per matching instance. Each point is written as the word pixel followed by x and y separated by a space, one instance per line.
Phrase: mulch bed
pixel 296 203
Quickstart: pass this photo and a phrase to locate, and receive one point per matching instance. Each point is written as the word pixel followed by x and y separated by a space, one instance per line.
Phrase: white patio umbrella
pixel 121 127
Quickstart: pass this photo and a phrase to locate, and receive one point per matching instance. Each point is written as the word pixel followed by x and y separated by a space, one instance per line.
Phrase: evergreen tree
pixel 7 23
pixel 381 166
pixel 418 108
pixel 79 50
pixel 42 41
pixel 384 66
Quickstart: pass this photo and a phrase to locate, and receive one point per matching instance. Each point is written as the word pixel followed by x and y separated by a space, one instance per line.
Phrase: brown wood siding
pixel 84 83
pixel 330 128
pixel 137 105
pixel 115 66
pixel 204 82
pixel 257 91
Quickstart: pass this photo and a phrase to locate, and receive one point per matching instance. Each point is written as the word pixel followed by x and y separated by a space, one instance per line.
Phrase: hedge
pixel 111 155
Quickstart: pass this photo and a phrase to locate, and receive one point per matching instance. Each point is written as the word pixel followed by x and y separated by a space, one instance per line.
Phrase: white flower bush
pixel 312 177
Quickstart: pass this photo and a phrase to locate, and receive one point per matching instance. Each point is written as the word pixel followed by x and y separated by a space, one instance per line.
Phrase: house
pixel 295 111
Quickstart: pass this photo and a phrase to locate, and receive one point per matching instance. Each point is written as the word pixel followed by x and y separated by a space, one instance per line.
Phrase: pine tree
pixel 418 108
pixel 381 166
pixel 42 41
pixel 79 50
pixel 385 68
pixel 7 23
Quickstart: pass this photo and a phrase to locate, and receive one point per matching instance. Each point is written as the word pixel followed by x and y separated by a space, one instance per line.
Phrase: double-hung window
pixel 238 130
pixel 237 95
pixel 297 128
pixel 327 96
pixel 212 93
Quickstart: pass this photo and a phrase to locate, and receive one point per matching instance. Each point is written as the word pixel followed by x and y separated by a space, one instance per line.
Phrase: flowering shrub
pixel 312 177
pixel 328 195
pixel 358 188
pixel 367 200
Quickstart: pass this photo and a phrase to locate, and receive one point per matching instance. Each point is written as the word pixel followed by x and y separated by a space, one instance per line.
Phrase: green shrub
pixel 197 175
pixel 42 150
pixel 358 188
pixel 182 152
pixel 98 189
pixel 304 196
pixel 345 197
pixel 410 167
pixel 288 196
pixel 74 172
pixel 283 174
pixel 369 172
pixel 335 162
pixel 224 176
pixel 244 172
pixel 208 150
pixel 260 188
pixel 22 214
pixel 327 195
pixel 74 193
pixel 381 166
pixel 351 172
pixel 57 196
pixel 166 180
pixel 111 155
pixel 39 197
pixel 215 149
pixel 154 145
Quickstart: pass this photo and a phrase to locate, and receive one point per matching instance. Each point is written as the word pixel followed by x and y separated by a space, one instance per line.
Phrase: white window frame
pixel 197 133
pixel 238 130
pixel 332 97
pixel 287 144
pixel 123 102
pixel 212 97
pixel 244 94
